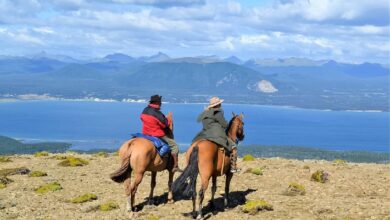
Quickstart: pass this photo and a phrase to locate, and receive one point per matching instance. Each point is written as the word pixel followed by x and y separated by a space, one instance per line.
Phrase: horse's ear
pixel 234 114
pixel 242 115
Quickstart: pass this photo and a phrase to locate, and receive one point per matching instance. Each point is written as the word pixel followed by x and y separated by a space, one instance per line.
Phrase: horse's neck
pixel 232 133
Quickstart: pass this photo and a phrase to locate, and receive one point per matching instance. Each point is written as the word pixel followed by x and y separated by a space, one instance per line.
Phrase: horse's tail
pixel 123 172
pixel 186 182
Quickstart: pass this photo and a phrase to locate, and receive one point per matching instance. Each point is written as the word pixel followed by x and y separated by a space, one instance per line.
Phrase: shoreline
pixel 262 151
pixel 45 98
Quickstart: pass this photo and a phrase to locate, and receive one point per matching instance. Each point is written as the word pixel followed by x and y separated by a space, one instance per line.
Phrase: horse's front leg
pixel 170 180
pixel 152 186
pixel 229 176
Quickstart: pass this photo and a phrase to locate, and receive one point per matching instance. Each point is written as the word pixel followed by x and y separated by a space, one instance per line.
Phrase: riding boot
pixel 175 163
pixel 233 161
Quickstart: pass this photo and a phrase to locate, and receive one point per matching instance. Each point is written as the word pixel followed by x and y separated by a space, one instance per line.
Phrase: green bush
pixel 71 161
pixel 248 157
pixel 101 154
pixel 5 159
pixel 153 217
pixel 59 157
pixel 14 171
pixel 257 171
pixel 253 207
pixel 84 198
pixel 108 206
pixel 339 162
pixel 295 189
pixel 51 187
pixel 320 176
pixel 37 174
pixel 41 154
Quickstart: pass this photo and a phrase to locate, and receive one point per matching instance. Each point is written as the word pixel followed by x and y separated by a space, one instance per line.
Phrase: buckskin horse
pixel 207 159
pixel 139 155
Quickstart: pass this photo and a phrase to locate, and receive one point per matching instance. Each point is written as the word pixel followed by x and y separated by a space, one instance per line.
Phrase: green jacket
pixel 214 127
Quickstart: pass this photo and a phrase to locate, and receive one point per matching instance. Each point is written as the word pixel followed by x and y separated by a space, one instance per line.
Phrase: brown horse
pixel 207 159
pixel 140 155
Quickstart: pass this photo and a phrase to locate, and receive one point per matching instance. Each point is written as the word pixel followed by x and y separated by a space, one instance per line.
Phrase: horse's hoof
pixel 128 207
pixel 171 201
pixel 151 202
pixel 199 217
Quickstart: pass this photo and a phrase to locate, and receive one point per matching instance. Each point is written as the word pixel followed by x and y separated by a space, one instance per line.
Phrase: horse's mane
pixel 230 124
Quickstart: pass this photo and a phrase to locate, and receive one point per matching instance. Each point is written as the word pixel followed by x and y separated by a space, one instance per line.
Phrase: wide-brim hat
pixel 214 101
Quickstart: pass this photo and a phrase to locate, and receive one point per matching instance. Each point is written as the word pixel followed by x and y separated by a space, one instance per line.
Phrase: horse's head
pixel 169 130
pixel 236 127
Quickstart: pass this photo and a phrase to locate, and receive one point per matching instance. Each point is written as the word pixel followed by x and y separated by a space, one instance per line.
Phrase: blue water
pixel 89 125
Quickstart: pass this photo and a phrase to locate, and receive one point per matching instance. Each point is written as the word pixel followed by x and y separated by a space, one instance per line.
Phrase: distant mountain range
pixel 324 84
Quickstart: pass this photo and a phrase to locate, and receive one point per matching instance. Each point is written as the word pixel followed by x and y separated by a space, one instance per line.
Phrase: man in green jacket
pixel 214 129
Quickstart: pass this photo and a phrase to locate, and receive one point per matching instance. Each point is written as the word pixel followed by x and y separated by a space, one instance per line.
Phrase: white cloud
pixel 370 29
pixel 44 30
pixel 227 43
pixel 261 39
pixel 317 29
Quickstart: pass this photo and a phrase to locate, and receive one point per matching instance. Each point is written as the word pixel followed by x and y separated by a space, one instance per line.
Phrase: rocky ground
pixel 354 191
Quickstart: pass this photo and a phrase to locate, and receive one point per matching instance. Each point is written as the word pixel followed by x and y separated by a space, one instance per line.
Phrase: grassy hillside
pixel 12 146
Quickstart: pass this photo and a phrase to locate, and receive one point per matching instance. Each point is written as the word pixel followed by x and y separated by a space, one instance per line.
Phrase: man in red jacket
pixel 154 123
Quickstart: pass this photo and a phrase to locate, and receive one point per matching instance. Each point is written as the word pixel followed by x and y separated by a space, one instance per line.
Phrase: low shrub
pixel 253 207
pixel 4 159
pixel 84 198
pixel 257 171
pixel 37 174
pixel 108 206
pixel 320 176
pixel 14 171
pixel 101 154
pixel 41 154
pixel 59 157
pixel 339 162
pixel 295 189
pixel 248 157
pixel 71 161
pixel 51 187
pixel 153 217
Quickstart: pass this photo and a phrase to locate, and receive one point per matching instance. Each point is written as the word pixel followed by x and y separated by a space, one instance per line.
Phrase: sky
pixel 353 31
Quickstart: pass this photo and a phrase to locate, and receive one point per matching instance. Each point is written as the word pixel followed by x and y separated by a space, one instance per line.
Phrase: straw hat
pixel 214 101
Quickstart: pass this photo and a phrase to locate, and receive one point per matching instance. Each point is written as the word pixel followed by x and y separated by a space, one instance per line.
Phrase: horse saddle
pixel 161 147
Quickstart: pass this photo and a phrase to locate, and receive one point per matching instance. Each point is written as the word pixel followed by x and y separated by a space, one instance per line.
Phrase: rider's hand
pixel 169 115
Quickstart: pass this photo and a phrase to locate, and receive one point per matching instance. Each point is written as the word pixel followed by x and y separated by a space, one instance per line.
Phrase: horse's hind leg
pixel 137 180
pixel 127 185
pixel 213 190
pixel 152 185
pixel 205 184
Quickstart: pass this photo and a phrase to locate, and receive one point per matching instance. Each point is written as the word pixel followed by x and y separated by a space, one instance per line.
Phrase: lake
pixel 89 125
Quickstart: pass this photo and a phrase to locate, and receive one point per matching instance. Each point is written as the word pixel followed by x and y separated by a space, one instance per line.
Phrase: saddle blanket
pixel 162 147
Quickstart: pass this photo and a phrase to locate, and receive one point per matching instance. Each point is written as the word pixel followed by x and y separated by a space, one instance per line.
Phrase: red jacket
pixel 154 122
